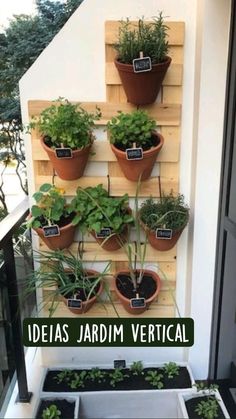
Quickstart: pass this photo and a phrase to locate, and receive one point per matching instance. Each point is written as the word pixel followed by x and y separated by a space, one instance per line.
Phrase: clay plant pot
pixel 126 301
pixel 63 241
pixel 68 168
pixel 86 305
pixel 142 88
pixel 162 244
pixel 132 169
pixel 114 242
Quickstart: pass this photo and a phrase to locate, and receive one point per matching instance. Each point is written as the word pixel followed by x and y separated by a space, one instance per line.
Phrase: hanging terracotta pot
pixel 71 168
pixel 86 304
pixel 114 242
pixel 63 241
pixel 132 169
pixel 148 290
pixel 142 88
pixel 160 243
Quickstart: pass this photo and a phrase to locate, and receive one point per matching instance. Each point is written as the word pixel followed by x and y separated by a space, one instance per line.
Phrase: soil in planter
pixel 191 405
pixel 155 141
pixel 61 223
pixel 80 292
pixel 66 408
pixel 145 290
pixel 132 382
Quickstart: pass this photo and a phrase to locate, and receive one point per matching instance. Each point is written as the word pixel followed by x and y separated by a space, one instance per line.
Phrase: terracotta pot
pixel 162 244
pixel 114 242
pixel 126 301
pixel 63 241
pixel 86 305
pixel 142 88
pixel 132 169
pixel 71 168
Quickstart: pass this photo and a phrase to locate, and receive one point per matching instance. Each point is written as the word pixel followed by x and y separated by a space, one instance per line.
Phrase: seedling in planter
pixel 78 380
pixel 64 376
pixel 117 376
pixel 154 379
pixel 97 375
pixel 137 368
pixel 208 409
pixel 51 412
pixel 171 369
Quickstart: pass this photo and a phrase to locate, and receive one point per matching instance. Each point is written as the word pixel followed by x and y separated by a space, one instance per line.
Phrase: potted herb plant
pixel 66 279
pixel 57 408
pixel 66 136
pixel 164 220
pixel 135 143
pixel 142 79
pixel 135 287
pixel 106 218
pixel 205 404
pixel 50 217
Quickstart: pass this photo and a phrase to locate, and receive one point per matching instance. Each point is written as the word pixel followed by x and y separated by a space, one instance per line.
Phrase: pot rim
pixel 94 297
pixel 150 231
pixel 74 152
pixel 146 153
pixel 129 67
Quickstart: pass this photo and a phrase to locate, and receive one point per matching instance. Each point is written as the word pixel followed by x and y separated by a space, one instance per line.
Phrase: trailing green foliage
pixel 154 378
pixel 150 38
pixel 117 376
pixel 51 206
pixel 171 369
pixel 168 212
pixel 137 368
pixel 64 123
pixel 51 412
pixel 96 210
pixel 129 128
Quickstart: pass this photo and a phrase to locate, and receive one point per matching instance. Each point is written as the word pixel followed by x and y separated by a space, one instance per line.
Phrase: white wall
pixel 73 66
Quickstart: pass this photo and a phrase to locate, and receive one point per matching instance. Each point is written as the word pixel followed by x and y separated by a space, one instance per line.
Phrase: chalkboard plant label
pixel 138 302
pixel 74 303
pixel 51 231
pixel 141 65
pixel 134 153
pixel 119 363
pixel 164 233
pixel 103 233
pixel 63 153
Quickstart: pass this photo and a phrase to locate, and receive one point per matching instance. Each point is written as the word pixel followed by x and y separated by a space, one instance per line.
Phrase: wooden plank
pixel 172 94
pixel 175 32
pixel 107 310
pixel 169 115
pixel 95 253
pixel 173 76
pixel 118 187
pixel 169 171
pixel 103 152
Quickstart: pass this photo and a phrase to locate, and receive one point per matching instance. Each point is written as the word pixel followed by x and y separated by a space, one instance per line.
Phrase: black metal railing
pixel 12 245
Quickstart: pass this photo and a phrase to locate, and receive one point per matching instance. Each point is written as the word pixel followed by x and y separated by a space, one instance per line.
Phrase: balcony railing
pixel 16 260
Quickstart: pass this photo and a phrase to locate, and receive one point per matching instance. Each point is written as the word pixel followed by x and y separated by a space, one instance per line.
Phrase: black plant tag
pixel 103 233
pixel 164 233
pixel 51 231
pixel 119 363
pixel 138 302
pixel 63 153
pixel 74 303
pixel 141 65
pixel 134 153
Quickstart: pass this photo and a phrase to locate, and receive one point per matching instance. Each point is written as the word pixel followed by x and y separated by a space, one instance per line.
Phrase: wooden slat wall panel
pixel 167 113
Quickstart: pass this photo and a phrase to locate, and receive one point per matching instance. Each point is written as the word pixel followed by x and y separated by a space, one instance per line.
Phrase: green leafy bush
pixel 51 412
pixel 168 212
pixel 51 206
pixel 208 409
pixel 150 38
pixel 96 210
pixel 66 124
pixel 171 369
pixel 129 128
pixel 117 376
pixel 154 379
pixel 137 368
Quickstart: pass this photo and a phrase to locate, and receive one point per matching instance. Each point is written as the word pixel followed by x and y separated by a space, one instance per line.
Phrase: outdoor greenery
pixel 117 376
pixel 209 408
pixel 20 44
pixel 150 38
pixel 168 212
pixel 95 210
pixel 95 374
pixel 65 124
pixel 51 412
pixel 154 378
pixel 129 128
pixel 137 368
pixel 51 206
pixel 171 369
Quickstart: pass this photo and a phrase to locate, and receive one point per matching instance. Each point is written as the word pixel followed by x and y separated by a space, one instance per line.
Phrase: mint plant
pixel 129 128
pixel 154 378
pixel 64 123
pixel 96 210
pixel 51 412
pixel 137 368
pixel 171 369
pixel 148 37
pixel 117 376
pixel 50 206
